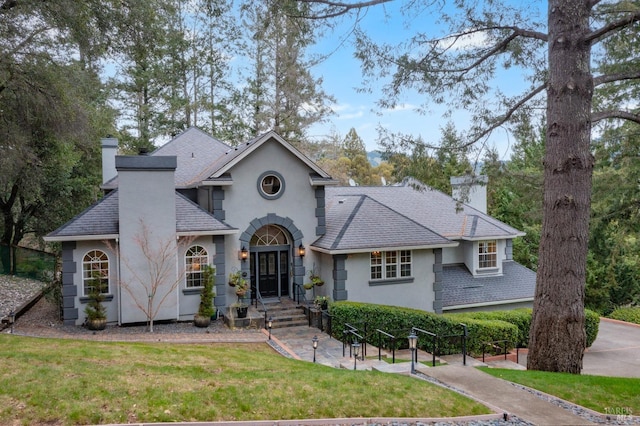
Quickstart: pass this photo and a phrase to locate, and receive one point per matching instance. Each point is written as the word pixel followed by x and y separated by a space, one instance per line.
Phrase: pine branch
pixel 604 31
pixel 623 115
pixel 610 78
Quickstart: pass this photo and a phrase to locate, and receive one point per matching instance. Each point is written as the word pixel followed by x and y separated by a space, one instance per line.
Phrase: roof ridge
pixel 347 222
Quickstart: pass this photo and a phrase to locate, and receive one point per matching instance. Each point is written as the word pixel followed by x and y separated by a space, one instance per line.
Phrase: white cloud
pixel 464 41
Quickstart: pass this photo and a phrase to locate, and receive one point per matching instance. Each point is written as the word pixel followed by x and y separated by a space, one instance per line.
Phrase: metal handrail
pixel 434 337
pixel 503 348
pixel 393 345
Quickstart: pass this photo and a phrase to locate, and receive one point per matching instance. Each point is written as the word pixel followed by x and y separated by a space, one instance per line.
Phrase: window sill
pixel 391 281
pixel 86 299
pixel 192 290
pixel 488 271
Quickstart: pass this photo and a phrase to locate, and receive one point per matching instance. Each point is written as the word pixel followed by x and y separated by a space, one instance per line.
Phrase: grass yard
pixel 602 394
pixel 80 382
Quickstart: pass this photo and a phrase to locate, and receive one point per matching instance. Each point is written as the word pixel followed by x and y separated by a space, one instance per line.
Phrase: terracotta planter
pixel 97 324
pixel 201 321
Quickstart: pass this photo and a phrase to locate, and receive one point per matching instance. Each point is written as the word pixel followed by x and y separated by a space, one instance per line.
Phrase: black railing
pixel 502 346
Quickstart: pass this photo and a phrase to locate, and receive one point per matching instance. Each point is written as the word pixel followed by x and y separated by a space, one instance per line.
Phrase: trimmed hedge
pixel 628 314
pixel 490 326
pixel 398 322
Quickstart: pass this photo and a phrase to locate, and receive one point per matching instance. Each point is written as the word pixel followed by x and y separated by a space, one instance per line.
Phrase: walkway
pixel 499 395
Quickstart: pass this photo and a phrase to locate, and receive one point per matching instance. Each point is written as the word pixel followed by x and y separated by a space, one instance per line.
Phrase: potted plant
pixel 321 302
pixel 241 309
pixel 242 285
pixel 235 278
pixel 314 280
pixel 206 309
pixel 96 312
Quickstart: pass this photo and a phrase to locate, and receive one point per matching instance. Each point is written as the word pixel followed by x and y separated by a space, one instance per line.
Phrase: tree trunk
pixel 557 338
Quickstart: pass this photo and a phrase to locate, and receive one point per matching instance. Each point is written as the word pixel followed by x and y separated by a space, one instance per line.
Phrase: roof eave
pixel 205 233
pixel 493 237
pixel 64 238
pixel 483 304
pixel 370 249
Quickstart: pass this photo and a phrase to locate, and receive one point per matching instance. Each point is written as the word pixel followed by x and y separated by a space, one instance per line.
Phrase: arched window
pixel 269 235
pixel 95 272
pixel 194 261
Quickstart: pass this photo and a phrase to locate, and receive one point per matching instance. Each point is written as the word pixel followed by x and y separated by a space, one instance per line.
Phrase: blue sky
pixel 342 76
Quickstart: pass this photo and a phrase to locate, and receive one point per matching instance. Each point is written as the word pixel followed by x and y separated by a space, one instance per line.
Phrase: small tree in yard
pixel 156 279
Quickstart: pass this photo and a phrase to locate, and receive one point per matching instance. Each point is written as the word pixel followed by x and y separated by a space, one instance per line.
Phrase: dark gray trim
pixel 299 271
pixel 438 288
pixel 391 281
pixel 508 250
pixel 271 196
pixel 146 162
pixel 340 277
pixel 192 291
pixel 217 203
pixel 321 211
pixel 221 274
pixel 487 271
pixel 69 288
pixel 85 299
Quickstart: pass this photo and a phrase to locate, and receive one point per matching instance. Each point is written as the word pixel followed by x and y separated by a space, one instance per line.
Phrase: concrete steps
pixel 285 313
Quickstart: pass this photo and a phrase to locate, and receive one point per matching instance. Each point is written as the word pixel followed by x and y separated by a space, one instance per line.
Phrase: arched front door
pixel 269 262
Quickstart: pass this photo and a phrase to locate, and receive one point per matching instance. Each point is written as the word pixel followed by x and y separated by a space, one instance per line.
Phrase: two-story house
pixel 265 209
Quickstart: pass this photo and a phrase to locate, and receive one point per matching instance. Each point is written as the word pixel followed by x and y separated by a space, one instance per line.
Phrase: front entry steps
pixel 284 313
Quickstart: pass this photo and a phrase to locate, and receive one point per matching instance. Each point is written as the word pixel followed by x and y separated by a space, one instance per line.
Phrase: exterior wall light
pixel 243 254
pixel 301 251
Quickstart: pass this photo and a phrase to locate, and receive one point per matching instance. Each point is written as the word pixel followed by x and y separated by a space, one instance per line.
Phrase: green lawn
pixel 601 394
pixel 80 382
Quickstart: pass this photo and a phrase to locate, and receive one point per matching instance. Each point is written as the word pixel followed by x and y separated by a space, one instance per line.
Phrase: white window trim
pixel 198 254
pixel 480 255
pixel 92 262
pixel 398 277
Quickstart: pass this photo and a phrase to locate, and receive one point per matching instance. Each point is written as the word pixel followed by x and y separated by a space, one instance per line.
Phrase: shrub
pixel 490 326
pixel 628 314
pixel 398 322
pixel 591 325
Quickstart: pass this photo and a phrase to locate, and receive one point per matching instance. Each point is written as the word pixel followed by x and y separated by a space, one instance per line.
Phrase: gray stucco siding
pixel 293 210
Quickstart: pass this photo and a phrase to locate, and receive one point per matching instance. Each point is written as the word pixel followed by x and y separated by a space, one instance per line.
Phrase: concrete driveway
pixel 615 352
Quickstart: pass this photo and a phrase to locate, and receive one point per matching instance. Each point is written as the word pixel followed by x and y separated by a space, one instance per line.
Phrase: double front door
pixel 270 272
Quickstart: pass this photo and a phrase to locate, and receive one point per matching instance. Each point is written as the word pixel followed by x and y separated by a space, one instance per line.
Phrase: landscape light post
pixel 315 346
pixel 356 350
pixel 269 325
pixel 413 340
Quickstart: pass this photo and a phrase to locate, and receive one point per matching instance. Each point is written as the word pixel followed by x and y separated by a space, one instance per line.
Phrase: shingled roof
pixel 100 221
pixel 358 222
pixel 460 287
pixel 430 208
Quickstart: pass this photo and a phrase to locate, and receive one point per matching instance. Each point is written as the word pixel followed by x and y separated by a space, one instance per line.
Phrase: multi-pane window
pixel 487 254
pixel 390 264
pixel 95 272
pixel 195 260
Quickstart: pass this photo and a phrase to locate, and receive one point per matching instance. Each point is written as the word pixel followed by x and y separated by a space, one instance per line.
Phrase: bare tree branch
pixel 604 31
pixel 609 78
pixel 623 115
pixel 341 8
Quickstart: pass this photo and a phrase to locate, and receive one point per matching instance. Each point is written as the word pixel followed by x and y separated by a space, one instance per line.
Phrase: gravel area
pixel 16 291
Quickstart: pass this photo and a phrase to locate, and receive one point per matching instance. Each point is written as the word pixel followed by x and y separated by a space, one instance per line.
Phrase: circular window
pixel 271 185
